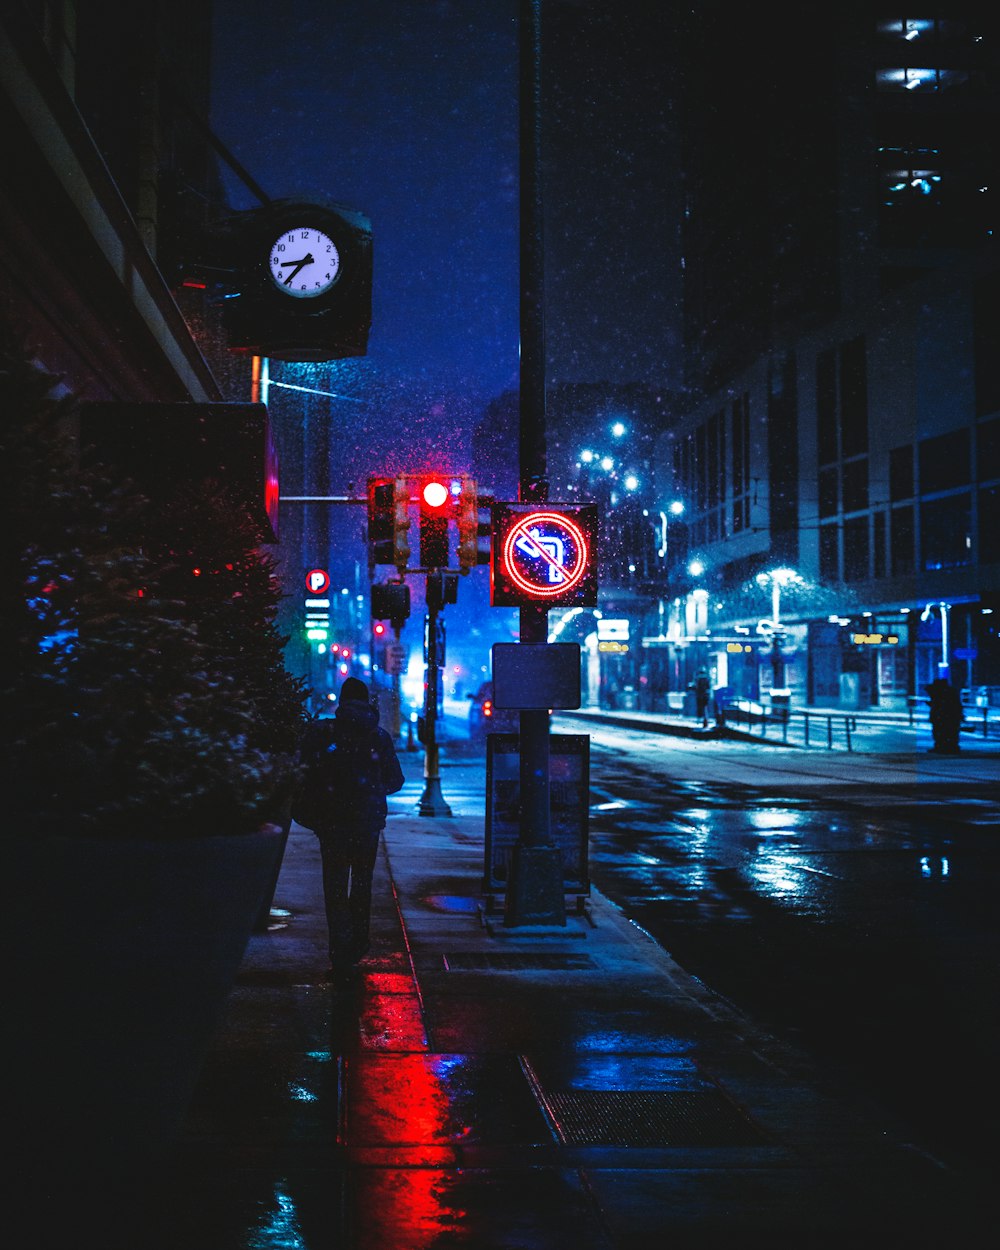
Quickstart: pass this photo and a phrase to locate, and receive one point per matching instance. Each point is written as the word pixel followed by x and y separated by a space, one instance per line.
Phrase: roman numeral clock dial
pixel 304 262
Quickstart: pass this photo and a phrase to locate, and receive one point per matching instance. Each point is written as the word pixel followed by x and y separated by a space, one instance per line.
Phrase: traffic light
pixel 390 602
pixel 484 529
pixel 381 520
pixel 442 588
pixel 435 509
pixel 468 522
pixel 401 526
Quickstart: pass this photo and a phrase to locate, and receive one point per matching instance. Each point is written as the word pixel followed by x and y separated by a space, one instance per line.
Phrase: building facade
pixel 837 455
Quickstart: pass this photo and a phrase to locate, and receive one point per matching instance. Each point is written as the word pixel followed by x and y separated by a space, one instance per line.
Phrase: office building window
pixel 944 462
pixel 988 451
pixel 878 544
pixel 826 406
pixel 829 554
pixel 853 399
pixel 855 485
pixel 856 551
pixel 828 492
pixel 922 80
pixel 901 541
pixel 945 532
pixel 989 525
pixel 901 473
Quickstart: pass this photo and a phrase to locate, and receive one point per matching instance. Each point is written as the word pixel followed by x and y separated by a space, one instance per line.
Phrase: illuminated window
pixel 922 80
pixel 918 32
pixel 910 176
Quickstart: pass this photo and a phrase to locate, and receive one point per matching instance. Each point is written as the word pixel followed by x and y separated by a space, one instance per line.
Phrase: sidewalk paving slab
pixel 481 1086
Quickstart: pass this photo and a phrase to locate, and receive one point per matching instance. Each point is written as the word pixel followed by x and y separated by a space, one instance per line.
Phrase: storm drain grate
pixel 650 1118
pixel 509 961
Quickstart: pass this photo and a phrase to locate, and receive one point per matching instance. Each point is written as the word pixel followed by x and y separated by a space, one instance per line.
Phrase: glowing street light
pixel 696 568
pixel 618 429
pixel 778 578
pixel 631 482
pixel 943 664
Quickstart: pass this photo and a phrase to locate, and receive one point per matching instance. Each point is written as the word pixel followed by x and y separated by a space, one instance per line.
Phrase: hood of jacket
pixel 353 714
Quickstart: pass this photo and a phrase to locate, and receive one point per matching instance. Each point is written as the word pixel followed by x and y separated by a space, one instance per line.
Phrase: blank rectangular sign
pixel 529 676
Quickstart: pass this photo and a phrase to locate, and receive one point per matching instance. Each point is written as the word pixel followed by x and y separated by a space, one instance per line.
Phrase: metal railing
pixel 838 725
pixel 837 729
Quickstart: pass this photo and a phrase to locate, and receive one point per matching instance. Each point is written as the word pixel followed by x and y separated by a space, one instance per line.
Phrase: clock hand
pixel 306 260
pixel 285 263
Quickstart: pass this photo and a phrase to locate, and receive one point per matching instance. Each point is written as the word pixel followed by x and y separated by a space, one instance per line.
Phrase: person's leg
pixel 362 872
pixel 336 874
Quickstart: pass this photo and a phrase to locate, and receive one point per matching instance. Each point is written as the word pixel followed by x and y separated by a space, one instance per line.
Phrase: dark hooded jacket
pixel 350 766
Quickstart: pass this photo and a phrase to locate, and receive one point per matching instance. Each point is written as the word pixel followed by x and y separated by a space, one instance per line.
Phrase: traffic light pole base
pixel 535 892
pixel 432 801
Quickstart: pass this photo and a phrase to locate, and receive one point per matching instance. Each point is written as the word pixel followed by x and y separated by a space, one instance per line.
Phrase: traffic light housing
pixel 468 523
pixel 381 521
pixel 390 601
pixel 442 588
pixel 484 529
pixel 401 524
pixel 436 507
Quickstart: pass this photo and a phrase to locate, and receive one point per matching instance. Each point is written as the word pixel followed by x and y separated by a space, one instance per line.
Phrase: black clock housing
pixel 262 320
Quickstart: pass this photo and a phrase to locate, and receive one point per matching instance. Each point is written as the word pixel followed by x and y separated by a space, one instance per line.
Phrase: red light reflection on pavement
pixel 390 1017
pixel 402 1101
pixel 411 1209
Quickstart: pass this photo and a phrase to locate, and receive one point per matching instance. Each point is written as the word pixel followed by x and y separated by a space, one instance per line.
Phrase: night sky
pixel 409 112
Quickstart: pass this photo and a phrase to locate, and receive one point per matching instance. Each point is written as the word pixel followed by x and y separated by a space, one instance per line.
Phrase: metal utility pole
pixel 535 891
pixel 432 801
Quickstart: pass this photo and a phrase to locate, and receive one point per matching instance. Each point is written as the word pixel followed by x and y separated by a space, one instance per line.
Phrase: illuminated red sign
pixel 544 554
pixel 317 580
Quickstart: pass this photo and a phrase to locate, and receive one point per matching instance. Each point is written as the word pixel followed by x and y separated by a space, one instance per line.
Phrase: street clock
pixel 302 282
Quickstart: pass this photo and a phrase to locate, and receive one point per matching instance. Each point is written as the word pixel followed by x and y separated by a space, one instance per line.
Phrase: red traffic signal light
pixel 434 494
pixel 435 509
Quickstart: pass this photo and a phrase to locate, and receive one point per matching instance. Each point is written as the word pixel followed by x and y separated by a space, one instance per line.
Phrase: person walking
pixel 702 693
pixel 350 766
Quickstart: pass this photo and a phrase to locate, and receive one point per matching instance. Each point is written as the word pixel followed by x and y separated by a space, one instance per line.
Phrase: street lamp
pixel 777 579
pixel 944 667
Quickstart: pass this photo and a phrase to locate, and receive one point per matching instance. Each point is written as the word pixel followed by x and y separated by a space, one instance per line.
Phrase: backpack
pixel 343 780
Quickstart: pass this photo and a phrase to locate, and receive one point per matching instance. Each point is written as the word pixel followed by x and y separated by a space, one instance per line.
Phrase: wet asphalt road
pixel 869 937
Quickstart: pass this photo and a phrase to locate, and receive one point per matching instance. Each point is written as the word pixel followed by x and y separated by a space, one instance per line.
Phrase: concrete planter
pixel 124 953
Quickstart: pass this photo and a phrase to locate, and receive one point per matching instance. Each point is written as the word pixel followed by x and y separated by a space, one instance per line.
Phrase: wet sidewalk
pixel 491 1087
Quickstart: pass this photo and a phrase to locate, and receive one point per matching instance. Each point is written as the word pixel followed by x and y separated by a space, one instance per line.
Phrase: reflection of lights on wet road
pixel 934 866
pixel 281 1229
pixel 775 820
pixel 777 877
pixel 299 1093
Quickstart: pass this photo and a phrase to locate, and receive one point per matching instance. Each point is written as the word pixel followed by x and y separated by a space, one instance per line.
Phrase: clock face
pixel 304 262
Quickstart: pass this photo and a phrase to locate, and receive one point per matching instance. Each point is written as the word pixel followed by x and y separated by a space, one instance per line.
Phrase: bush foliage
pixel 145 689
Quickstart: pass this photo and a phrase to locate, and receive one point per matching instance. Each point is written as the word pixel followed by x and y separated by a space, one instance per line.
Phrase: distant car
pixel 486 718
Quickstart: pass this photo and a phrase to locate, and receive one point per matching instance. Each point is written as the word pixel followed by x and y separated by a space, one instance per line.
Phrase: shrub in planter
pixel 148 744
pixel 145 688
